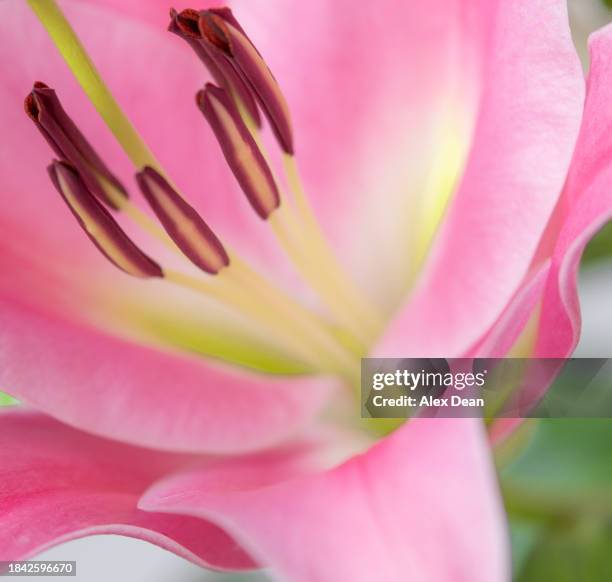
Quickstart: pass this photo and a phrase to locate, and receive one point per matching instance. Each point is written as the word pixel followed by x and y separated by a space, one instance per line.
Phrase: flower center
pixel 331 341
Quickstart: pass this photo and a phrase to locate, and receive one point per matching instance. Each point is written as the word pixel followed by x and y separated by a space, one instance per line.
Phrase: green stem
pixel 71 49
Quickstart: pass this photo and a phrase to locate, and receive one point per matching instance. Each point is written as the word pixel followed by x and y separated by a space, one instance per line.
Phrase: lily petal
pixel 153 12
pixel 420 505
pixel 585 207
pixel 140 395
pixel 503 334
pixel 529 115
pixel 58 484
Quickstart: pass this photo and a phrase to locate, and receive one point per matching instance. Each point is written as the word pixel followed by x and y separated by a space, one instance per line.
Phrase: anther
pixel 69 144
pixel 182 223
pixel 99 225
pixel 240 150
pixel 214 29
pixel 220 28
pixel 185 25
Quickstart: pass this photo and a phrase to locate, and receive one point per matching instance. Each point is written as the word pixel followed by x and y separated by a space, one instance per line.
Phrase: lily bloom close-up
pixel 211 213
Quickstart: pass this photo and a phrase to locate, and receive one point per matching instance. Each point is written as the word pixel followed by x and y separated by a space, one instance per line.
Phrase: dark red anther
pixel 223 32
pixel 45 110
pixel 240 150
pixel 182 223
pixel 99 225
pixel 185 25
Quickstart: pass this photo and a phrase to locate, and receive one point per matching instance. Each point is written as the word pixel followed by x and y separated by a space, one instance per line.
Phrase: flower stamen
pixel 213 28
pixel 296 330
pixel 240 150
pixel 185 25
pixel 99 225
pixel 222 30
pixel 301 241
pixel 239 287
pixel 182 223
pixel 299 235
pixel 45 110
pixel 235 283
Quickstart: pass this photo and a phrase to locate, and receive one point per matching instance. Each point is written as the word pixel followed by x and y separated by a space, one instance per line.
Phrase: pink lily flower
pixel 452 159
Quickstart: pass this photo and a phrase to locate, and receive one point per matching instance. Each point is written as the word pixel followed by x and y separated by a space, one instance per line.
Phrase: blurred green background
pixel 557 488
pixel 558 494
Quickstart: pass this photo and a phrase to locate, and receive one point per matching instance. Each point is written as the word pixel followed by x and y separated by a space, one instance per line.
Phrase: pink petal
pixel 527 125
pixel 143 396
pixel 153 12
pixel 503 334
pixel 58 484
pixel 586 206
pixel 421 505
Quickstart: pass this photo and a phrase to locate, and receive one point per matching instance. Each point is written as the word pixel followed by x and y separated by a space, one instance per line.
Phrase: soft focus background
pixel 557 485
